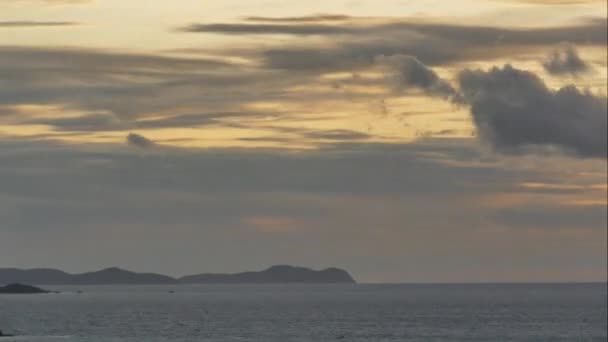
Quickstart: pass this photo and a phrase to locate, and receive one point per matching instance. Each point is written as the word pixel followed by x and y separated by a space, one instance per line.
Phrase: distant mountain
pixel 107 276
pixel 117 276
pixel 33 276
pixel 275 274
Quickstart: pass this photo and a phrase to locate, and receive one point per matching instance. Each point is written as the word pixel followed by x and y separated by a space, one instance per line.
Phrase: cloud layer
pixel 354 43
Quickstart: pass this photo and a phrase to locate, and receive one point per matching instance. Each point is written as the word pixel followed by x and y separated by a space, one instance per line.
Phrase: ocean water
pixel 283 313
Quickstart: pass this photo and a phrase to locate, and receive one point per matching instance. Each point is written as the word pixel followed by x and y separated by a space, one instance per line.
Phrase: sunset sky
pixel 405 141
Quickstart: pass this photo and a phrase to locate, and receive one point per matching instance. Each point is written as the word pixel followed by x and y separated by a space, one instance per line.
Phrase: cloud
pixel 341 168
pixel 108 121
pixel 17 24
pixel 356 45
pixel 565 60
pixel 84 90
pixel 128 85
pixel 590 32
pixel 308 18
pixel 514 110
pixel 293 134
pixel 89 122
pixel 241 29
pixel 407 71
pixel 139 141
pixel 87 60
pixel 336 134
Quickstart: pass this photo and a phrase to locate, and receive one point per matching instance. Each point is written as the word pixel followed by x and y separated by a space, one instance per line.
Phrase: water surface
pixel 267 313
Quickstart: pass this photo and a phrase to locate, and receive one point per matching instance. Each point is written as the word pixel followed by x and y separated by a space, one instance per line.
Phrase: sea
pixel 305 313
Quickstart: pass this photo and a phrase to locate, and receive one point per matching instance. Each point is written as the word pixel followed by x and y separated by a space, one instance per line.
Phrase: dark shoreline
pixel 115 276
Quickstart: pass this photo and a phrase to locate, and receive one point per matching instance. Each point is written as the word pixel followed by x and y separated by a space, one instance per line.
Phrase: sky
pixel 404 141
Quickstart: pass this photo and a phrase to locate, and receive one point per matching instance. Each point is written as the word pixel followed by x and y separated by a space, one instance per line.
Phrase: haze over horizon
pixel 403 141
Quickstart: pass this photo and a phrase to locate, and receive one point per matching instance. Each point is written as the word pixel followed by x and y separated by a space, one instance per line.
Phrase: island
pixel 21 289
pixel 274 275
pixel 281 274
pixel 108 276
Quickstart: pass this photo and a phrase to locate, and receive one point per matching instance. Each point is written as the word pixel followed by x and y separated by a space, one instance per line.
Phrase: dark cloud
pixel 337 134
pixel 296 135
pixel 591 32
pixel 565 60
pixel 88 60
pixel 132 86
pixel 17 24
pixel 319 134
pixel 432 43
pixel 112 122
pixel 308 18
pixel 47 185
pixel 340 168
pixel 514 109
pixel 140 141
pixel 90 122
pixel 408 71
pixel 240 29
